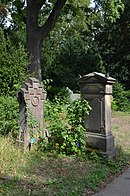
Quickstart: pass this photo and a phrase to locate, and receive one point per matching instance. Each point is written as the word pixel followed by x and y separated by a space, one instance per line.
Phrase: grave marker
pixel 31 99
pixel 97 89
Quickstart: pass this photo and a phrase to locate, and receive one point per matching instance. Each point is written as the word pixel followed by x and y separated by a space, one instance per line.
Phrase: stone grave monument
pixel 97 89
pixel 31 99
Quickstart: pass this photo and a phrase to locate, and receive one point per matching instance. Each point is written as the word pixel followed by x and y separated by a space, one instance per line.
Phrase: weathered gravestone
pixel 31 99
pixel 97 89
pixel 73 96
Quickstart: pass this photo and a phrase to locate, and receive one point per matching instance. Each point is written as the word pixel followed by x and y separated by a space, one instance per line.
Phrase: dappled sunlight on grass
pixel 46 173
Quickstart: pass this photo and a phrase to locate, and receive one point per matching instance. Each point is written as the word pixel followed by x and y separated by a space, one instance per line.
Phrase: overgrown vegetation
pixel 13 65
pixel 62 165
pixel 120 98
pixel 9 113
pixel 40 173
pixel 11 157
pixel 64 121
pixel 13 71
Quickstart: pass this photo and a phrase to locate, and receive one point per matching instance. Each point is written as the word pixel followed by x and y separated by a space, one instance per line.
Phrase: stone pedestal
pixel 97 89
pixel 31 98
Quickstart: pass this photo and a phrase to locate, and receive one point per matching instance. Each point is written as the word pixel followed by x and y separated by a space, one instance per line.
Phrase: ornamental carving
pixel 35 101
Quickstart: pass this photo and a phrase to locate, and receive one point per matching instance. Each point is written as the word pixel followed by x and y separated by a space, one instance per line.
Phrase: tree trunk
pixel 34 49
pixel 36 34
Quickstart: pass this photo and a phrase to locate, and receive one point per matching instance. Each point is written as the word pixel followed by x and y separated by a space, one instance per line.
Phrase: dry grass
pixel 52 175
pixel 11 158
pixel 121 130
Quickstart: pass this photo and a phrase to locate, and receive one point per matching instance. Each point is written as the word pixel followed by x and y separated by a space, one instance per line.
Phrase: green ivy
pixel 66 127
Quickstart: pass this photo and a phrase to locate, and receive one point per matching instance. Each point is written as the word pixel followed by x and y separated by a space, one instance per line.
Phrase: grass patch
pixel 121 130
pixel 58 175
pixel 49 174
pixel 11 158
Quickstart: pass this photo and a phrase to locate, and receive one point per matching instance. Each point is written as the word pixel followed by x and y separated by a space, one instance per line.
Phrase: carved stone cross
pixel 31 99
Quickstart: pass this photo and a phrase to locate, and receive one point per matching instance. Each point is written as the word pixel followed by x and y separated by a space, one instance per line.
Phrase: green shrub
pixel 127 94
pixel 65 124
pixel 8 115
pixel 120 101
pixel 13 66
pixel 61 92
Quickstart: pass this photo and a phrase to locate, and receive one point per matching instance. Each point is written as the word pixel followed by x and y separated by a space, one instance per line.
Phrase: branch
pixel 52 18
pixel 33 8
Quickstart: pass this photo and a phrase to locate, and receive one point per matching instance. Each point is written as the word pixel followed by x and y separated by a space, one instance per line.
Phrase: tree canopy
pixel 84 38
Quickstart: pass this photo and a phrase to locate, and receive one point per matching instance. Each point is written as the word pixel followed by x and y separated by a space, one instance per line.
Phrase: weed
pixel 65 124
pixel 46 173
pixel 11 158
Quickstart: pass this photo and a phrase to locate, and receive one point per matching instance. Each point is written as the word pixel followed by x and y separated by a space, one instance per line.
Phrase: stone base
pixel 103 143
pixel 110 154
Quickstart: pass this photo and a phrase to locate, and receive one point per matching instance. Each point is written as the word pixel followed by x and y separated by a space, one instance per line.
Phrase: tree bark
pixel 36 34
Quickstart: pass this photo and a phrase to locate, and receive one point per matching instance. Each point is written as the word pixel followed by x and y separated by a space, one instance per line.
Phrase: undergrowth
pixel 65 123
pixel 11 157
pixel 52 174
pixel 62 166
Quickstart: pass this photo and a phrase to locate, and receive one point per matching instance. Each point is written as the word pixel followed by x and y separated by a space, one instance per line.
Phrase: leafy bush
pixel 120 101
pixel 13 66
pixel 62 92
pixel 127 94
pixel 65 124
pixel 8 115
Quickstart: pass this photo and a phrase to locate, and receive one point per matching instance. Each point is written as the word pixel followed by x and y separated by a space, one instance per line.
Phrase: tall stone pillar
pixel 31 99
pixel 97 89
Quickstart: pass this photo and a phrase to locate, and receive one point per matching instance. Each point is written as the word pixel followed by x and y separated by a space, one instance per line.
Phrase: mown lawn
pixel 49 174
